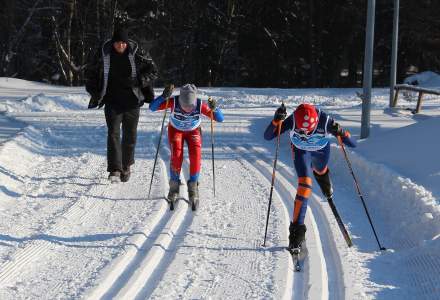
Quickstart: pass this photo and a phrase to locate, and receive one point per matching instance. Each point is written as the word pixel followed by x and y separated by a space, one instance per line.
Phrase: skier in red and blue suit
pixel 184 125
pixel 309 129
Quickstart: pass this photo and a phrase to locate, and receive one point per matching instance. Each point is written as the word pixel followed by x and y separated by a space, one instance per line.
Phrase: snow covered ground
pixel 65 232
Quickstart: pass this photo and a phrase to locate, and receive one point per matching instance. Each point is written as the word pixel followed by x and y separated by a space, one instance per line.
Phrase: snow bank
pixel 43 103
pixel 399 173
pixel 407 209
pixel 407 219
pixel 20 149
pixel 411 151
pixel 6 82
pixel 270 97
pixel 59 98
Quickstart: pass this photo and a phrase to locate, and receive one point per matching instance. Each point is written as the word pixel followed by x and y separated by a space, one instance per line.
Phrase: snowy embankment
pixel 65 232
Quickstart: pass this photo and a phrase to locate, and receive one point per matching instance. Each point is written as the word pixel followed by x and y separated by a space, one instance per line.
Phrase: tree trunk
pixel 312 50
pixel 18 37
pixel 114 5
pixel 71 9
pixel 98 20
pixel 231 9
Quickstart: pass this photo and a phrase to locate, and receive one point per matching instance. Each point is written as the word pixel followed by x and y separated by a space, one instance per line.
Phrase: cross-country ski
pixel 298 255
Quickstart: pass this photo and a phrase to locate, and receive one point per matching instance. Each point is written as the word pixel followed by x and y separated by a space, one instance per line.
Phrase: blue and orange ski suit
pixel 307 156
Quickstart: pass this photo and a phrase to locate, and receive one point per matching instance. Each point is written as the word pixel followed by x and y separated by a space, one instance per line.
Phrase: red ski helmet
pixel 306 118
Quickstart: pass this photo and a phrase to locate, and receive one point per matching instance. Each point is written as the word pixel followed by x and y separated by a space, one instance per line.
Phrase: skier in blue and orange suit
pixel 184 125
pixel 309 129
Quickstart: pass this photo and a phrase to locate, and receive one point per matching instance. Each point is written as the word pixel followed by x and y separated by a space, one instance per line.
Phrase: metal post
pixel 394 51
pixel 368 70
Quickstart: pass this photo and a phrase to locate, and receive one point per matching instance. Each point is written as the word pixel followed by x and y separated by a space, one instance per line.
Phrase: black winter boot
pixel 114 176
pixel 174 190
pixel 125 174
pixel 324 183
pixel 297 235
pixel 193 194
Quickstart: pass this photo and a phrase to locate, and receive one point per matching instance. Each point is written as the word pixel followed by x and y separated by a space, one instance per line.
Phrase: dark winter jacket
pixel 143 73
pixel 119 94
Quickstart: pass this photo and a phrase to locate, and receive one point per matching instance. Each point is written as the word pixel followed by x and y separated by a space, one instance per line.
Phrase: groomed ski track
pixel 66 233
pixel 74 250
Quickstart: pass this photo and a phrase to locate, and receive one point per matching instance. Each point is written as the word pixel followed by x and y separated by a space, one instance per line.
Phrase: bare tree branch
pixel 18 36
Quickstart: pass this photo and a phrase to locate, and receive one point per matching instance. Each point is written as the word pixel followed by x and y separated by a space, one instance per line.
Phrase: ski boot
pixel 173 193
pixel 114 176
pixel 297 236
pixel 193 194
pixel 125 174
pixel 325 183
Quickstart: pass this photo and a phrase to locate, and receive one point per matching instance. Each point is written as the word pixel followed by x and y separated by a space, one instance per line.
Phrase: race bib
pixel 312 143
pixel 185 123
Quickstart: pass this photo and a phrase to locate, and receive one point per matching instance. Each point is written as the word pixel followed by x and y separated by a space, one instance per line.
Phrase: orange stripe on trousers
pixel 305 180
pixel 304 192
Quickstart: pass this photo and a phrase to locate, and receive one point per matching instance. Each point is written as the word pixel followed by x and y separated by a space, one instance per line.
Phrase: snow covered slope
pixel 65 232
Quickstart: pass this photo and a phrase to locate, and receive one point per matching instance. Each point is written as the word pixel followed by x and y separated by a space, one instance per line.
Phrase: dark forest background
pixel 259 43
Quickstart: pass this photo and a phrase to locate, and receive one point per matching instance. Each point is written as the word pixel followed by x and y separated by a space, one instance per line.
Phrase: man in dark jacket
pixel 121 77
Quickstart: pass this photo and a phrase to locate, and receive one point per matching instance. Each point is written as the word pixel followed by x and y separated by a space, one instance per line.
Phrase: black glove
pixel 212 103
pixel 148 93
pixel 167 91
pixel 280 113
pixel 101 104
pixel 93 102
pixel 337 130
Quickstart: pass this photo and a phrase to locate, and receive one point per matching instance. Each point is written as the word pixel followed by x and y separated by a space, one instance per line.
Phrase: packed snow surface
pixel 66 232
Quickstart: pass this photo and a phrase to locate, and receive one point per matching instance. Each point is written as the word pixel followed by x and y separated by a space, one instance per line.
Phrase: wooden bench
pixel 420 90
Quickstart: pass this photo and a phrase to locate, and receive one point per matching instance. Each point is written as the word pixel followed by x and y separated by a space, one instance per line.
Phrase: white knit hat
pixel 188 95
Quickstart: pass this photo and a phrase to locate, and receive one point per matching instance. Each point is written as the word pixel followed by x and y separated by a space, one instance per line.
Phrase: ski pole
pixel 359 191
pixel 158 147
pixel 212 151
pixel 340 223
pixel 273 179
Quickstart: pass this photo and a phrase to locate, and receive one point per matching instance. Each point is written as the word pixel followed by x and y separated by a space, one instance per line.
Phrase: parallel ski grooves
pixel 36 248
pixel 136 271
pixel 150 266
pixel 296 285
pixel 114 278
pixel 334 265
pixel 319 288
pixel 236 265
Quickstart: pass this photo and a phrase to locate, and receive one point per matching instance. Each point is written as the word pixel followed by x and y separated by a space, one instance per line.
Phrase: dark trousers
pixel 121 155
